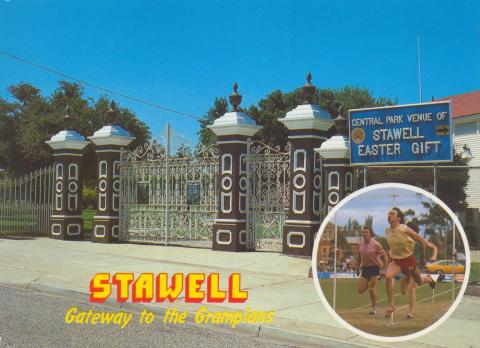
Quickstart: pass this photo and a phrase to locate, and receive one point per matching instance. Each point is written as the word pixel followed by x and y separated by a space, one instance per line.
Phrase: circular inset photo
pixel 391 262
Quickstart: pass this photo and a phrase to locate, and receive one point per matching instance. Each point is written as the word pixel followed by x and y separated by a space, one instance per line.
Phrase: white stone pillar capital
pixel 111 135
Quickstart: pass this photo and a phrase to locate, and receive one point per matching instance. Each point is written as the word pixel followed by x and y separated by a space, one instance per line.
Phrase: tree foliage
pixel 276 104
pixel 184 150
pixel 353 228
pixel 31 118
pixel 382 241
pixel 438 226
pixel 219 108
pixel 368 221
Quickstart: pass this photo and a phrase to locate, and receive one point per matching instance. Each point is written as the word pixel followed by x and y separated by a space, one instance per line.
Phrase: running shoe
pixel 372 311
pixel 409 316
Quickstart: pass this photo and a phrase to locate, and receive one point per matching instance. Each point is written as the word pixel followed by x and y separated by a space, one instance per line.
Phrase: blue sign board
pixel 415 133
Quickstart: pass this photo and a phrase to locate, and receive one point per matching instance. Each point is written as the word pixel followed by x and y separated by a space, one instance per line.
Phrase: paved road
pixel 35 319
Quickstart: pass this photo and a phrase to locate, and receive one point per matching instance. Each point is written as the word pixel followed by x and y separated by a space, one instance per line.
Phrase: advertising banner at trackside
pixel 350 275
pixel 415 133
pixel 339 275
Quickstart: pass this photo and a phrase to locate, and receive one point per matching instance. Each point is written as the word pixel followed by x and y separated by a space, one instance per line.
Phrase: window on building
pixel 465 128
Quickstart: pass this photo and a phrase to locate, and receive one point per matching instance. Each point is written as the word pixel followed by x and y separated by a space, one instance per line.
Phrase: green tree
pixel 183 150
pixel 411 216
pixel 220 107
pixel 437 226
pixel 383 242
pixel 267 113
pixel 350 97
pixel 31 119
pixel 368 221
pixel 277 104
pixel 8 126
pixel 352 228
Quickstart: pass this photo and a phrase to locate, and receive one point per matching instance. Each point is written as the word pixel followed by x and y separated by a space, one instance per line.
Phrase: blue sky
pixel 377 203
pixel 182 54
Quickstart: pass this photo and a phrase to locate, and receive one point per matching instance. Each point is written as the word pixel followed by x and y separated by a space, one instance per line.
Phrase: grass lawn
pixel 10 227
pixel 17 219
pixel 354 307
pixel 15 223
pixel 347 296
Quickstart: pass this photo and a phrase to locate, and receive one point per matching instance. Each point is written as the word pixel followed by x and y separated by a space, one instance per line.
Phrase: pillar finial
pixel 111 113
pixel 340 122
pixel 308 90
pixel 235 98
pixel 67 118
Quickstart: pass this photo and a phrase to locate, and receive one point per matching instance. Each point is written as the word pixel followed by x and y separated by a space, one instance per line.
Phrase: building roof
pixel 465 104
pixel 353 240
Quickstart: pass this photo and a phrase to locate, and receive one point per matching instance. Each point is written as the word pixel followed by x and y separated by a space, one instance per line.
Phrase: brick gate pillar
pixel 66 222
pixel 336 164
pixel 109 142
pixel 307 125
pixel 233 129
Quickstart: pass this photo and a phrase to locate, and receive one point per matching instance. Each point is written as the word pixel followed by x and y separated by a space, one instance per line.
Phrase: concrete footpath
pixel 274 281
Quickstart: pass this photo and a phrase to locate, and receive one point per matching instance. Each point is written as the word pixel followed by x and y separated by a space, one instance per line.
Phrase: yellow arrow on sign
pixel 443 130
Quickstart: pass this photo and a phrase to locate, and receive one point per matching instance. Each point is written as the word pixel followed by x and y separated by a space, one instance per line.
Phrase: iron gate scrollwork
pixel 174 200
pixel 268 186
pixel 168 199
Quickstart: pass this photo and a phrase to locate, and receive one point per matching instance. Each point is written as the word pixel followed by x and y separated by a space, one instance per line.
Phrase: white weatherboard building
pixel 466 141
pixel 466 125
pixel 466 138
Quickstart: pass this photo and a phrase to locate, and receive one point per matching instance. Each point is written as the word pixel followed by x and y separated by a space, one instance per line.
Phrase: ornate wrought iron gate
pixel 26 203
pixel 172 200
pixel 268 171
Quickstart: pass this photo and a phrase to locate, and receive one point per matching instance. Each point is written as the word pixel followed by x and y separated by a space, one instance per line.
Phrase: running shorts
pixel 370 271
pixel 407 264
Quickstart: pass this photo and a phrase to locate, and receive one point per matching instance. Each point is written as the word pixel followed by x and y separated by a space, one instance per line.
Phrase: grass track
pixel 354 307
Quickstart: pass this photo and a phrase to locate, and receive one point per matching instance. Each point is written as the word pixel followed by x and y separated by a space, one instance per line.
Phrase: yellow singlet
pixel 401 245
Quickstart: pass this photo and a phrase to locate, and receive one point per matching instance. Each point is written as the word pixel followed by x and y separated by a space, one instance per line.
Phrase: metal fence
pixel 26 203
pixel 457 186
